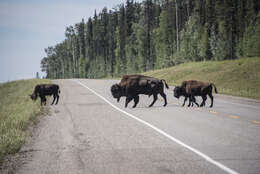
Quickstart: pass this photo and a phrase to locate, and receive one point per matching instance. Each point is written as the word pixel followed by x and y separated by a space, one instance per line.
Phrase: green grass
pixel 240 77
pixel 17 112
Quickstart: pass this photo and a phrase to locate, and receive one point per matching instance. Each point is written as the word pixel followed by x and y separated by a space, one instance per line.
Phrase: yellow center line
pixel 213 112
pixel 234 116
pixel 175 103
pixel 256 122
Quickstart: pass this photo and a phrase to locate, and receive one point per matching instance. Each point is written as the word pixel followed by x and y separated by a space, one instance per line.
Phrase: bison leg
pixel 164 97
pixel 184 101
pixel 204 100
pixel 136 100
pixel 190 101
pixel 194 101
pixel 127 100
pixel 58 97
pixel 42 101
pixel 154 100
pixel 54 98
pixel 211 97
pixel 45 100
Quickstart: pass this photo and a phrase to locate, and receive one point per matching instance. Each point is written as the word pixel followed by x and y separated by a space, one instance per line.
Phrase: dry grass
pixel 17 112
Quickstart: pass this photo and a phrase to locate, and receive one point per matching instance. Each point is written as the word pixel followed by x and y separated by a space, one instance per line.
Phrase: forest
pixel 137 37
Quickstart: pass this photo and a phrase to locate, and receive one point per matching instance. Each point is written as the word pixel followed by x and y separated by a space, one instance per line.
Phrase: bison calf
pixel 44 90
pixel 133 85
pixel 191 88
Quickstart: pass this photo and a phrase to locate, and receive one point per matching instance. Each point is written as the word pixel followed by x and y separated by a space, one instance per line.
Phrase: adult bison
pixel 43 90
pixel 133 85
pixel 191 88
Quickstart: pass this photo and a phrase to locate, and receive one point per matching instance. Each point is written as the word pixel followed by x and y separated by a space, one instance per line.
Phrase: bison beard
pixel 133 85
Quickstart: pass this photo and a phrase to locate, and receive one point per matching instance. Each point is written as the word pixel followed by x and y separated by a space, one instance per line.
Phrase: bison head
pixel 33 97
pixel 116 91
pixel 177 92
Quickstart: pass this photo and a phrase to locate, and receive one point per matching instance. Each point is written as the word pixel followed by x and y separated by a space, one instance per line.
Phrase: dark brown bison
pixel 191 88
pixel 43 90
pixel 133 85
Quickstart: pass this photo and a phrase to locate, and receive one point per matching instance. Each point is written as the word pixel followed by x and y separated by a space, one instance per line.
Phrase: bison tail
pixel 166 85
pixel 215 88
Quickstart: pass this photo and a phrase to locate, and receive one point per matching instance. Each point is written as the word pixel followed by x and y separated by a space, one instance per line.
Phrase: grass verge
pixel 17 112
pixel 240 77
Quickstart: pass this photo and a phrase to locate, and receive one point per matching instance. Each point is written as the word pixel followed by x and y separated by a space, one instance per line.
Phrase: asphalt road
pixel 89 132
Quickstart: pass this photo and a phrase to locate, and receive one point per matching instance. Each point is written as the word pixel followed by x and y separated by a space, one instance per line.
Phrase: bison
pixel 191 88
pixel 43 90
pixel 133 85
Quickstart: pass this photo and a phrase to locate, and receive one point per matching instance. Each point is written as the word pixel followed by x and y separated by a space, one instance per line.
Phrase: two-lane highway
pixel 89 132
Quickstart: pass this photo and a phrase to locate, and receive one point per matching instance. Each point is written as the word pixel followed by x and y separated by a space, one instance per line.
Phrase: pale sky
pixel 29 26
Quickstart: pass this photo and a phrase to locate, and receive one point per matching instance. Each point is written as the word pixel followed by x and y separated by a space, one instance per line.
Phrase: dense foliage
pixel 137 37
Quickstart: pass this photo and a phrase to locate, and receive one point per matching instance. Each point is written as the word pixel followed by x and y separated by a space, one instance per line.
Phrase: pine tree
pixel 112 24
pixel 129 12
pixel 137 37
pixel 121 33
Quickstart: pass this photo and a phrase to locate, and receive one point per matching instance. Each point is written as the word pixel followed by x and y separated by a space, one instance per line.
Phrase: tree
pixel 112 25
pixel 72 40
pixel 204 47
pixel 129 13
pixel 137 37
pixel 177 26
pixel 218 42
pixel 121 33
pixel 251 39
pixel 190 36
pixel 80 29
pixel 164 40
pixel 37 75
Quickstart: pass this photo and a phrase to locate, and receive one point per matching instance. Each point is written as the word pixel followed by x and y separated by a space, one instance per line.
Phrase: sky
pixel 29 26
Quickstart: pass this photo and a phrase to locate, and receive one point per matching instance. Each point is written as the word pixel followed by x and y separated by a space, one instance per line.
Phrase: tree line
pixel 136 37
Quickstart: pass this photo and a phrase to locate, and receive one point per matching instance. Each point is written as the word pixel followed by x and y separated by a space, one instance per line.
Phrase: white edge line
pixel 223 167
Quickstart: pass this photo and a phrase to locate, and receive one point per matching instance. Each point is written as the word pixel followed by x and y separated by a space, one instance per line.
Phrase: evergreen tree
pixel 129 12
pixel 121 33
pixel 136 37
